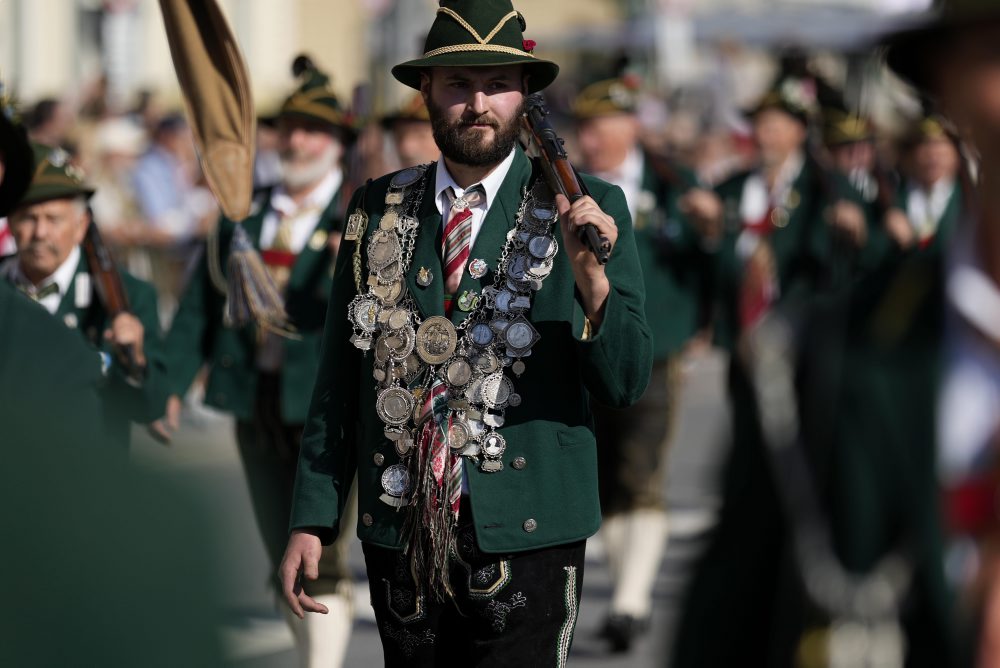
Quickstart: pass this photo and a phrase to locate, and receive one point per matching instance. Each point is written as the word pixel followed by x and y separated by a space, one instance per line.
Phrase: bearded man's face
pixel 475 111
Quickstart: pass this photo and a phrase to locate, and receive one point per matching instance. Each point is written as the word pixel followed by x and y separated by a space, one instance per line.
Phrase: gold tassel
pixel 251 296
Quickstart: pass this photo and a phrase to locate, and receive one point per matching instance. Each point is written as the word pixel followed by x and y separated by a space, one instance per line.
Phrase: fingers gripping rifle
pixel 561 176
pixel 111 292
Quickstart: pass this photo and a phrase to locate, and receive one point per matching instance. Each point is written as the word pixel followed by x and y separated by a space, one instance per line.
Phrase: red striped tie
pixel 455 242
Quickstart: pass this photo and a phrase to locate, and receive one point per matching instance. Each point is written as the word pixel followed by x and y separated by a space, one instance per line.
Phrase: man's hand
pixel 897 225
pixel 588 272
pixel 704 209
pixel 848 219
pixel 126 330
pixel 301 556
pixel 163 430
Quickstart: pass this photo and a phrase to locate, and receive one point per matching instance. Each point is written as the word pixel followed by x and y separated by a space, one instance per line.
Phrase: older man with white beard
pixel 264 379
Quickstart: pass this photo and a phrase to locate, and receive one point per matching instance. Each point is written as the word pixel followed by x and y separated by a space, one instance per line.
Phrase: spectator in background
pixel 118 143
pixel 165 183
pixel 49 122
pixel 176 208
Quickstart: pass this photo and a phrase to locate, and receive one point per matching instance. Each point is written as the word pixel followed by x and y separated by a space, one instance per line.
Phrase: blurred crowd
pixel 889 191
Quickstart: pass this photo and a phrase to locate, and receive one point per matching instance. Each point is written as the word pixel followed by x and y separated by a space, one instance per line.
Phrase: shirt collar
pixel 318 198
pixel 62 276
pixel 628 172
pixel 491 184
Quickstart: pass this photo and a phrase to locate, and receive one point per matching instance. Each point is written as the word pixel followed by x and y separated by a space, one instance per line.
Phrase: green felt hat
pixel 794 95
pixel 841 125
pixel 315 100
pixel 413 110
pixel 909 50
pixel 18 160
pixel 478 33
pixel 604 98
pixel 55 177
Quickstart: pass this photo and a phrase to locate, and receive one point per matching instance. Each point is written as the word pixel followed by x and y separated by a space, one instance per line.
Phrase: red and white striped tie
pixel 455 242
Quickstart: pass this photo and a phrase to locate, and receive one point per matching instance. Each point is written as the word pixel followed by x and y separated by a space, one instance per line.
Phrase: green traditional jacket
pixel 198 335
pixel 938 243
pixel 809 259
pixel 674 266
pixel 552 499
pixel 80 309
pixel 46 371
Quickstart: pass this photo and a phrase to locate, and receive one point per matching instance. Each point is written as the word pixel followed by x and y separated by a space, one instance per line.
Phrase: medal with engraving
pixel 436 340
pixel 394 406
pixel 396 481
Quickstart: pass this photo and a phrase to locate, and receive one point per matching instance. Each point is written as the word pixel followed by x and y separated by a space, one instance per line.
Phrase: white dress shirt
pixel 490 186
pixel 306 214
pixel 62 276
pixel 924 209
pixel 628 177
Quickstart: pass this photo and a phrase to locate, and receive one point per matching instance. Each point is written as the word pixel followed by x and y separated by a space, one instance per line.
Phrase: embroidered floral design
pixel 499 611
pixel 486 574
pixel 408 641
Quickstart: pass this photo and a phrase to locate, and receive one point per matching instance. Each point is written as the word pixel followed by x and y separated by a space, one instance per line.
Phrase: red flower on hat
pixel 529 45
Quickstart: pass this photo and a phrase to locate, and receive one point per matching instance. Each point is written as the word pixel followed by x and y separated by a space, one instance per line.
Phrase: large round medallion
pixel 458 435
pixel 519 336
pixel 366 314
pixel 406 177
pixel 436 340
pixel 497 389
pixel 400 342
pixel 394 406
pixel 481 334
pixel 458 372
pixel 396 481
pixel 542 247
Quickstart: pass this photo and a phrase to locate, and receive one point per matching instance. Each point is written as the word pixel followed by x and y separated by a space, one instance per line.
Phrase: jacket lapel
pixel 500 219
pixel 429 298
pixel 316 248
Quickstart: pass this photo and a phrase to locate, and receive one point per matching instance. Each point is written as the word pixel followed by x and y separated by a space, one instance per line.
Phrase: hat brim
pixel 800 115
pixel 540 73
pixel 19 165
pixel 39 194
pixel 350 132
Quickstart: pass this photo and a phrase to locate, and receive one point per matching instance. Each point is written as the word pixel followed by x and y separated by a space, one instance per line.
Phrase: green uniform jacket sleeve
pixel 617 360
pixel 193 330
pixel 144 403
pixel 328 461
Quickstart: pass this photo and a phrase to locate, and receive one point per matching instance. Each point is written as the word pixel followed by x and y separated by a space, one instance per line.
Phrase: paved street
pixel 255 634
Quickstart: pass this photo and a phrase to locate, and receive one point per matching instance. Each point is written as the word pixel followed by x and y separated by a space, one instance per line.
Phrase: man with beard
pixel 262 378
pixel 489 324
pixel 634 443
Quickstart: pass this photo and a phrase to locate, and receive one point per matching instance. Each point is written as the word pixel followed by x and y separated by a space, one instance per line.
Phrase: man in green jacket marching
pixel 259 376
pixel 633 444
pixel 49 224
pixel 468 328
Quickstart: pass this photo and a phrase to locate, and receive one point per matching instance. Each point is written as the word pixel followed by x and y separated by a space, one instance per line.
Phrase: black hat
pixel 18 158
pixel 910 49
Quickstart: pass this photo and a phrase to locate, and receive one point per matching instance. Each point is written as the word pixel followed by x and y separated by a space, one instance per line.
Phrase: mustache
pixel 35 246
pixel 483 119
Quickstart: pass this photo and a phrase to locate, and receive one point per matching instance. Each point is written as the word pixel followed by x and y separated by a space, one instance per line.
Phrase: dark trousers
pixel 509 609
pixel 269 451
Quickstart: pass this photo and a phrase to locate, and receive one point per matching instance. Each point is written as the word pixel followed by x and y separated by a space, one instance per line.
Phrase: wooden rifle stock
pixel 559 173
pixel 110 290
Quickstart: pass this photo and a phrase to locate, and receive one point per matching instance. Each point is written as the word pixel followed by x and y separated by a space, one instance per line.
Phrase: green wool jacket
pixel 198 334
pixel 674 266
pixel 809 259
pixel 81 310
pixel 46 370
pixel 551 429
